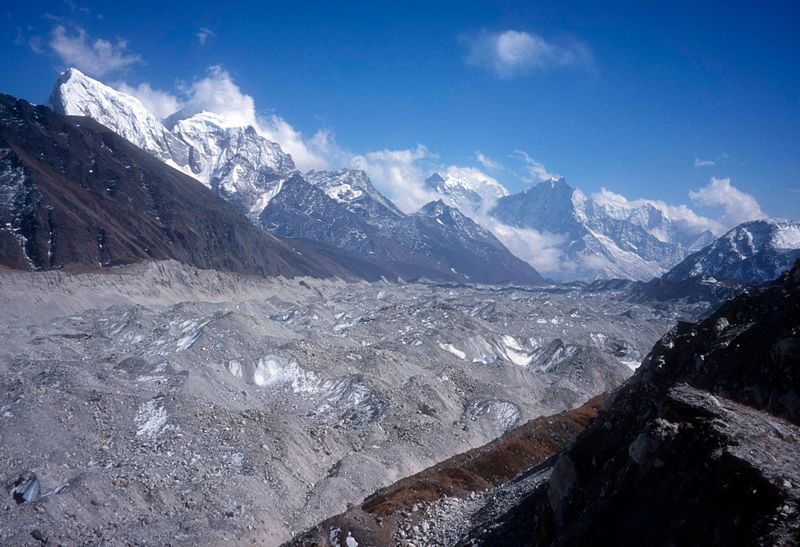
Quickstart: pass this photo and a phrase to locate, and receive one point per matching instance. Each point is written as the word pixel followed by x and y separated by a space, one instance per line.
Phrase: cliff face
pixel 700 447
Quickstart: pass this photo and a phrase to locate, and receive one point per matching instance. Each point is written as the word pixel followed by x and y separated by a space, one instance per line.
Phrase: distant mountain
pixel 74 194
pixel 463 193
pixel 753 252
pixel 438 242
pixel 354 190
pixel 78 95
pixel 235 162
pixel 457 242
pixel 600 240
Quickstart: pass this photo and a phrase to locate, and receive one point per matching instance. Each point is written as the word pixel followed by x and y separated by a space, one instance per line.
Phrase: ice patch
pixel 633 365
pixel 477 349
pixel 151 418
pixel 514 352
pixel 452 349
pixel 274 371
pixel 347 394
pixel 503 414
pixel 191 331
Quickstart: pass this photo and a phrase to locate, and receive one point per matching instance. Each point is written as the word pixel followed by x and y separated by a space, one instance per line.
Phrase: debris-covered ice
pixel 272 404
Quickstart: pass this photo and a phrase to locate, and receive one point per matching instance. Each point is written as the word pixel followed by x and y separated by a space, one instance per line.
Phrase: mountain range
pixel 477 231
pixel 340 208
pixel 596 239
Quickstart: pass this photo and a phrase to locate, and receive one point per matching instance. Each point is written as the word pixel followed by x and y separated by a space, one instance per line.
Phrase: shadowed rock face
pixel 700 447
pixel 75 195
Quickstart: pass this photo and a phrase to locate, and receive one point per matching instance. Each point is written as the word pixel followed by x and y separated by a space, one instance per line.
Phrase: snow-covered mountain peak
pixel 235 162
pixel 466 189
pixel 354 188
pixel 202 118
pixel 601 237
pixel 786 234
pixel 75 94
pixel 754 251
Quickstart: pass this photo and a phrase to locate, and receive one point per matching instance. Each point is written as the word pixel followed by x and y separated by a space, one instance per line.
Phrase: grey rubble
pixel 163 404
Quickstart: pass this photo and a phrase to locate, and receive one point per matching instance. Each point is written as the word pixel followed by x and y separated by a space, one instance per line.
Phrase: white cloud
pixel 218 93
pixel 400 174
pixel 486 161
pixel 536 170
pixel 307 154
pixel 96 57
pixel 514 52
pixel 737 206
pixel 204 34
pixel 539 249
pixel 160 103
pixel 704 163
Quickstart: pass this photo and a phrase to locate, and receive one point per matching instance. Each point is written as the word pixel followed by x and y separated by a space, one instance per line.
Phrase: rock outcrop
pixel 700 447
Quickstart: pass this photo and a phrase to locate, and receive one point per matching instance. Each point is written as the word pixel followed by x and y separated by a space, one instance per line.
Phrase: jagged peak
pixel 437 207
pixel 434 179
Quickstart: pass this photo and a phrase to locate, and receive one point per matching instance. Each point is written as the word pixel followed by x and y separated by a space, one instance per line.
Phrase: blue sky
pixel 648 102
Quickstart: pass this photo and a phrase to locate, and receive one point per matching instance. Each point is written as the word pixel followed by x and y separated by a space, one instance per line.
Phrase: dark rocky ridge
pixel 700 447
pixel 75 195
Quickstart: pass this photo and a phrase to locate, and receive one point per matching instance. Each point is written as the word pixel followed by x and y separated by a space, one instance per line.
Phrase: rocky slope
pixel 752 252
pixel 74 194
pixel 701 446
pixel 432 507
